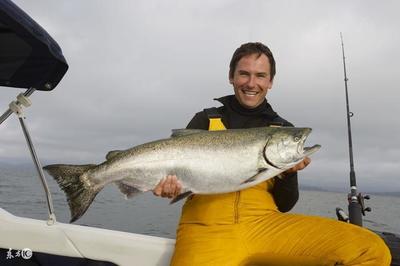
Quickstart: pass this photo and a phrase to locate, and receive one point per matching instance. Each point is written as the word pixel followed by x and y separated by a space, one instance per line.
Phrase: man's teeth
pixel 252 93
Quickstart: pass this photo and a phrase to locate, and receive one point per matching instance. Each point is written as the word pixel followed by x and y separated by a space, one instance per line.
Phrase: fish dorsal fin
pixel 112 154
pixel 185 132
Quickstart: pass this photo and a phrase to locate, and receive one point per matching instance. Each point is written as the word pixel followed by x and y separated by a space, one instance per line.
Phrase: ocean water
pixel 21 194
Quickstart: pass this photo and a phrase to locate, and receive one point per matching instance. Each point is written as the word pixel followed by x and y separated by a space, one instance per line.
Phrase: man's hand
pixel 300 166
pixel 169 187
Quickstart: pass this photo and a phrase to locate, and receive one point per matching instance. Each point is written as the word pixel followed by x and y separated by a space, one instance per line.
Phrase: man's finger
pixel 159 188
pixel 307 161
pixel 172 186
pixel 177 188
pixel 303 164
pixel 169 187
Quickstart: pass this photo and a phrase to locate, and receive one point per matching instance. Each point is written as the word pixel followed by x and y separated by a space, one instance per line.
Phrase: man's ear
pixel 230 80
pixel 270 84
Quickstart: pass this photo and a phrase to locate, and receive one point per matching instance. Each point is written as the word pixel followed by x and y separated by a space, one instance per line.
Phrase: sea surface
pixel 21 194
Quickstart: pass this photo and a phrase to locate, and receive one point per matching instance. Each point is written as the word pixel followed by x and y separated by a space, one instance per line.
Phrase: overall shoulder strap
pixel 215 119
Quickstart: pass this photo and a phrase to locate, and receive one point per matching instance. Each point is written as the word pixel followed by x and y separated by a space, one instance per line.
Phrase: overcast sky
pixel 138 69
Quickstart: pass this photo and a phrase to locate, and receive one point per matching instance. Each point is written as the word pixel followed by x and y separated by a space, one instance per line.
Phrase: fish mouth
pixel 307 151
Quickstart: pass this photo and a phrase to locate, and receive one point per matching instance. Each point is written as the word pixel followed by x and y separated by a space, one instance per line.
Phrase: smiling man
pixel 251 226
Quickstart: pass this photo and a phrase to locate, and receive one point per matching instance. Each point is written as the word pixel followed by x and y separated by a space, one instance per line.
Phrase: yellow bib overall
pixel 246 228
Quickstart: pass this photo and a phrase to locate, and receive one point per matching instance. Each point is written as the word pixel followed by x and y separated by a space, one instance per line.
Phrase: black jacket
pixel 285 191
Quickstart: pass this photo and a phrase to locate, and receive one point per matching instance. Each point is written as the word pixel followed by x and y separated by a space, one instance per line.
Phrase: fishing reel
pixel 360 201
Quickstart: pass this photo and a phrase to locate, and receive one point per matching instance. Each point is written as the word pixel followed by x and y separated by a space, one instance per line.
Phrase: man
pixel 243 227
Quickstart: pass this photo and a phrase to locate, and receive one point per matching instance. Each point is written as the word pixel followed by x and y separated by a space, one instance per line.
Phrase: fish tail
pixel 79 196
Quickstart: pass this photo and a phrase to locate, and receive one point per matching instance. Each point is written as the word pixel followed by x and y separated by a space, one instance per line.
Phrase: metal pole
pixel 52 217
pixel 354 206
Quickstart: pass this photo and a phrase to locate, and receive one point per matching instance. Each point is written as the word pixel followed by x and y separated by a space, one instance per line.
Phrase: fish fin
pixel 79 197
pixel 181 196
pixel 112 154
pixel 185 132
pixel 127 190
pixel 256 176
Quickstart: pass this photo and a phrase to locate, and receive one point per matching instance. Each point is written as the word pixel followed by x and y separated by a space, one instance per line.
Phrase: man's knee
pixel 378 250
pixel 384 251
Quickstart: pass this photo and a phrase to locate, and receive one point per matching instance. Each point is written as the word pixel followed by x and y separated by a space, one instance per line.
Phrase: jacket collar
pixel 264 109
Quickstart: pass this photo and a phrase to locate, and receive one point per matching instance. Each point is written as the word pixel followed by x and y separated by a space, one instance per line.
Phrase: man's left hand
pixel 300 166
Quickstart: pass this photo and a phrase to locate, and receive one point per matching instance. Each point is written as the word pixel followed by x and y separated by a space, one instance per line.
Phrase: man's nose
pixel 252 81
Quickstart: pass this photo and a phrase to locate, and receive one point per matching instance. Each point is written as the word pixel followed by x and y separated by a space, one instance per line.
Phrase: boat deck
pixel 393 241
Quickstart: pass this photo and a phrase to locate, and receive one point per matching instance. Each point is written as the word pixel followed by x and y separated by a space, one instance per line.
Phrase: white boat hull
pixel 71 240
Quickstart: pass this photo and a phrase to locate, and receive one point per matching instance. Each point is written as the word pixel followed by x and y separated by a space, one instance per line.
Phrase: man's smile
pixel 249 93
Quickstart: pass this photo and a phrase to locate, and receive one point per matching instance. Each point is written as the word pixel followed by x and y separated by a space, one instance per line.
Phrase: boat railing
pixel 17 107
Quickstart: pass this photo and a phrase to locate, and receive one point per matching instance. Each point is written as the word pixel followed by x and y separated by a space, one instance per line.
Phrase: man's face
pixel 251 80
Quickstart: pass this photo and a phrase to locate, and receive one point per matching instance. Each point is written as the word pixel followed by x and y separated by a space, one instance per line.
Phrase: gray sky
pixel 140 68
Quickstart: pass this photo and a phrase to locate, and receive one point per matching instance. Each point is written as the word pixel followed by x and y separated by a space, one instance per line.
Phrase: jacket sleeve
pixel 286 192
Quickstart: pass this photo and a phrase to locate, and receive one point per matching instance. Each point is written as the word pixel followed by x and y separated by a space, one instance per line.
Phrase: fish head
pixel 285 147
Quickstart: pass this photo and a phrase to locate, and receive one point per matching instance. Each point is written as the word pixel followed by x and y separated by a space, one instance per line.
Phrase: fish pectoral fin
pixel 127 190
pixel 181 197
pixel 185 132
pixel 260 173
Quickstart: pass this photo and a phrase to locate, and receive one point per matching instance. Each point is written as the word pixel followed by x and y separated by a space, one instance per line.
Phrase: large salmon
pixel 205 162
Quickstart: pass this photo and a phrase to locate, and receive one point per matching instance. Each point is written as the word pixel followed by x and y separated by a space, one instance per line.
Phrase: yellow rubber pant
pixel 245 228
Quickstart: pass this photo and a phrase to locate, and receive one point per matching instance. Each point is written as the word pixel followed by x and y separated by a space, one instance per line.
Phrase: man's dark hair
pixel 248 49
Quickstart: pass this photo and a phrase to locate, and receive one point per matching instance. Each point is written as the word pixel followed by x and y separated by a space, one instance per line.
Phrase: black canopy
pixel 29 57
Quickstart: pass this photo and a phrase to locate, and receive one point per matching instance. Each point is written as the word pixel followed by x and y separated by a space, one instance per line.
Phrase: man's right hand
pixel 169 187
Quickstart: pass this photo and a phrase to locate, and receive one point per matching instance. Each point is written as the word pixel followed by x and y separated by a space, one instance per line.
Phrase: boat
pixel 30 59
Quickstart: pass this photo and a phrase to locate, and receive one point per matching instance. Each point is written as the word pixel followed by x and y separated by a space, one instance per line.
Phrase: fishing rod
pixel 356 205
